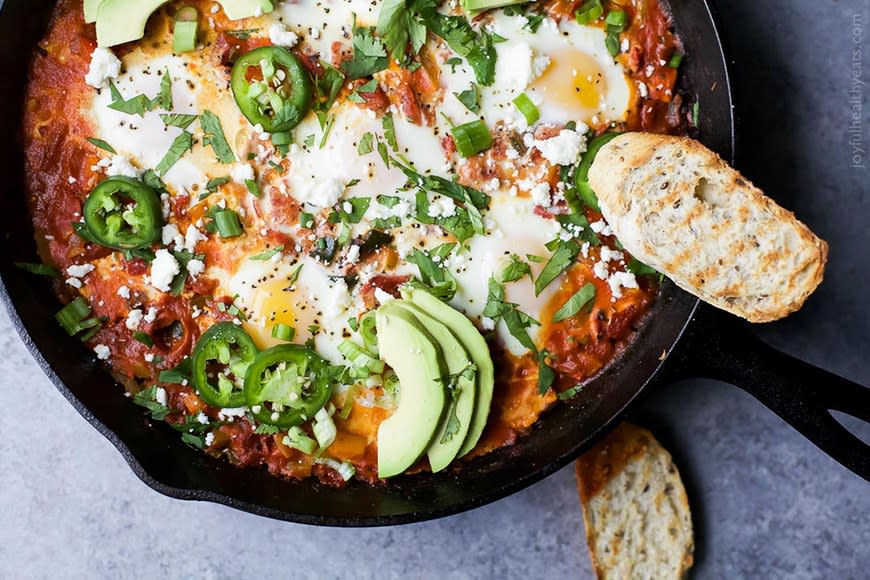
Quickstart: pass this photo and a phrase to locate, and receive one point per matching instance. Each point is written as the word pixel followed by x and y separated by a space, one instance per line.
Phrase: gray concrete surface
pixel 767 503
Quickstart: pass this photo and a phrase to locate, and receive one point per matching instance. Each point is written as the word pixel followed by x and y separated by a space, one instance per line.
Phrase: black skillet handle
pixel 722 347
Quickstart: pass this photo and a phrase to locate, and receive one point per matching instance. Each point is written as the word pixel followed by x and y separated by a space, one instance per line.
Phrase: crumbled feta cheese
pixel 232 412
pixel 642 89
pixel 539 65
pixel 124 292
pixel 321 190
pixel 102 351
pixel 195 267
pixel 119 165
pixel 383 297
pixel 442 207
pixel 600 270
pixel 563 149
pixel 541 194
pixel 620 280
pixel 80 270
pixel 202 418
pixel 149 357
pixel 151 315
pixel 242 172
pixel 163 269
pixel 74 282
pixel 171 235
pixel 104 66
pixel 209 439
pixel 279 35
pixel 487 323
pixel 160 395
pixel 608 255
pixel 71 180
pixel 352 255
pixel 192 237
pixel 601 227
pixel 134 319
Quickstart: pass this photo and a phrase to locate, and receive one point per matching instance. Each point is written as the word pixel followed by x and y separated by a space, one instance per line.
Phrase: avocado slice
pixel 477 350
pixel 120 21
pixel 459 407
pixel 90 9
pixel 417 360
pixel 237 9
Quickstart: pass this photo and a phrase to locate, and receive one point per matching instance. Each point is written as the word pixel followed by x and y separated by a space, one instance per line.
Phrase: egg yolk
pixel 573 81
pixel 271 304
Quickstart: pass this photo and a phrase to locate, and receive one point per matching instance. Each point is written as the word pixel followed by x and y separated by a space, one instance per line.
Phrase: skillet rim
pixel 430 513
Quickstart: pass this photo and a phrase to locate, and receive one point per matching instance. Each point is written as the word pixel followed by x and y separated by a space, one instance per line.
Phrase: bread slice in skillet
pixel 635 509
pixel 678 207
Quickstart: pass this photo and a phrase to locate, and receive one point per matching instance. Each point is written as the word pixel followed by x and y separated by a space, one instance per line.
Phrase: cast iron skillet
pixel 697 342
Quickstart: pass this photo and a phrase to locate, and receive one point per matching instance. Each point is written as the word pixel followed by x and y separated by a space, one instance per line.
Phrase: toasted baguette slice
pixel 676 206
pixel 635 509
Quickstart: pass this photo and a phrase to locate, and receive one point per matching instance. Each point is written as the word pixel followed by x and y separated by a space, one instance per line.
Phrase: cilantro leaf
pixel 182 144
pixel 470 98
pixel 215 138
pixel 562 257
pixel 546 374
pixel 177 120
pixel 399 25
pixel 515 270
pixel 369 54
pixel 101 144
pixel 148 398
pixel 576 302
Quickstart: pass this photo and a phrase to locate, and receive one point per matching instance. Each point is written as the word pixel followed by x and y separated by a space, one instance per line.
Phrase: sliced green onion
pixel 527 108
pixel 324 429
pixel 228 224
pixel 589 12
pixel 616 20
pixel 349 397
pixel 40 269
pixel 344 468
pixel 186 28
pixel 359 357
pixel 73 315
pixel 283 332
pixel 569 393
pixel 252 186
pixel 675 60
pixel 140 336
pixel 368 331
pixel 306 220
pixel 471 138
pixel 281 138
pixel 297 439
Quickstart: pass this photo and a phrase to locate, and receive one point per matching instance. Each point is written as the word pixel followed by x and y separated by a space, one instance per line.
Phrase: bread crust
pixel 678 207
pixel 635 508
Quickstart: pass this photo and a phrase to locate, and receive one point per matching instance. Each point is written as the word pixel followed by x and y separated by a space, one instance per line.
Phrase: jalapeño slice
pixel 272 88
pixel 581 176
pixel 286 385
pixel 124 214
pixel 219 363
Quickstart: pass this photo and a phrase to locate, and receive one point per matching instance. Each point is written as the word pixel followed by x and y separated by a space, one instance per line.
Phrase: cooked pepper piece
pixel 123 213
pixel 286 385
pixel 272 88
pixel 219 363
